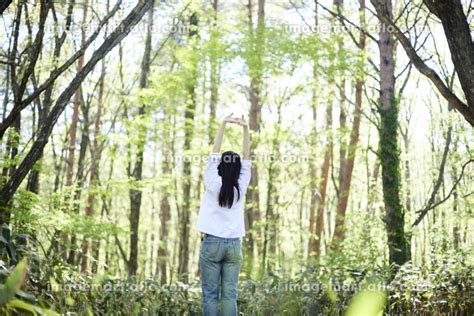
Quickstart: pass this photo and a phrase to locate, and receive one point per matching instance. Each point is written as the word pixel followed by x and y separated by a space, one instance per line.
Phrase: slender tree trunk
pixel 94 169
pixel 10 145
pixel 76 199
pixel 314 193
pixel 214 73
pixel 34 177
pixel 457 230
pixel 15 143
pixel 313 188
pixel 76 108
pixel 343 144
pixel 94 173
pixel 71 157
pixel 257 44
pixel 315 244
pixel 106 207
pixel 163 253
pixel 372 185
pixel 10 187
pixel 269 254
pixel 184 221
pixel 21 77
pixel 6 95
pixel 348 166
pixel 399 248
pixel 406 143
pixel 165 208
pixel 136 192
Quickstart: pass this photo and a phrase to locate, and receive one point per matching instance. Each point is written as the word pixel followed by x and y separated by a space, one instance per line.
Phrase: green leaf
pixel 6 231
pixel 35 310
pixel 26 296
pixel 14 282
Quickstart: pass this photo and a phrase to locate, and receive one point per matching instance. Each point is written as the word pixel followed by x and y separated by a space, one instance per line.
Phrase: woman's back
pixel 217 220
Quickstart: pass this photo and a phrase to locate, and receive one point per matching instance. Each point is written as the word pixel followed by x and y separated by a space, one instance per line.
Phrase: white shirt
pixel 220 221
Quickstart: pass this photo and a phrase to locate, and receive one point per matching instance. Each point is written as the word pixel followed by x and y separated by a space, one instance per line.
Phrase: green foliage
pixel 312 290
pixel 14 247
pixel 13 282
pixel 10 290
pixel 113 296
pixel 23 209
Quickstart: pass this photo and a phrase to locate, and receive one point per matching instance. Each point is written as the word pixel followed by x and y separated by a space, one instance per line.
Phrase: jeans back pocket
pixel 210 249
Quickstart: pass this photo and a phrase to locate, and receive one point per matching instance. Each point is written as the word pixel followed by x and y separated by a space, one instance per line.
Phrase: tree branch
pixel 424 211
pixel 4 5
pixel 343 19
pixel 9 189
pixel 430 204
pixel 54 75
pixel 452 99
pixel 122 252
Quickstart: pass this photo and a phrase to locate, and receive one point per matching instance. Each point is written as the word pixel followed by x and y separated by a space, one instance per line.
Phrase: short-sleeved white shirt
pixel 222 221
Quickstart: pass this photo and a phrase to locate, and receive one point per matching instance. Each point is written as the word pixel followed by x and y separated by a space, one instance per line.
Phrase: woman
pixel 221 219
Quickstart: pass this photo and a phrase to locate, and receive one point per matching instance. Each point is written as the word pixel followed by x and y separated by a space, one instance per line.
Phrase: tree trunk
pixel 191 85
pixel 76 198
pixel 461 46
pixel 406 143
pixel 94 174
pixel 94 169
pixel 214 73
pixel 106 207
pixel 257 45
pixel 4 5
pixel 136 192
pixel 315 244
pixel 165 208
pixel 345 183
pixel 313 189
pixel 8 189
pixel 12 138
pixel 71 157
pixel 458 34
pixel 399 249
pixel 271 216
pixel 34 177
pixel 76 107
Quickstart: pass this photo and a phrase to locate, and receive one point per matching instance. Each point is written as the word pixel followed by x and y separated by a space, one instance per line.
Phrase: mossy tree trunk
pixel 389 151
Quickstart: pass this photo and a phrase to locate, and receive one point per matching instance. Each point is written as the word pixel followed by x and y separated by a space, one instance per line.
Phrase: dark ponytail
pixel 229 170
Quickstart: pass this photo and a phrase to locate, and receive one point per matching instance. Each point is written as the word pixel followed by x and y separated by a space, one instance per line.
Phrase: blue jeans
pixel 220 260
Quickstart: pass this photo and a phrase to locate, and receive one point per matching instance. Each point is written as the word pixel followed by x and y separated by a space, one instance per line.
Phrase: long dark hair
pixel 229 170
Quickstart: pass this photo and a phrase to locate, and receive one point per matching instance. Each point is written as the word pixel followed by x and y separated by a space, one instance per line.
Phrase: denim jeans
pixel 220 260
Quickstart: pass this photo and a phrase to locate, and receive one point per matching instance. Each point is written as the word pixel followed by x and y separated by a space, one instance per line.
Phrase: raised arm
pixel 220 133
pixel 246 141
pixel 218 140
